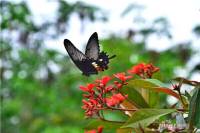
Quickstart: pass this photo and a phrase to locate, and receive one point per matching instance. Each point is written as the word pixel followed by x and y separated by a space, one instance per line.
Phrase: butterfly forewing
pixel 92 48
pixel 81 61
pixel 74 53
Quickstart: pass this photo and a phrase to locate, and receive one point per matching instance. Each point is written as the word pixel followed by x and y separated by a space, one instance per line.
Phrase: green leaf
pixel 144 117
pixel 156 82
pixel 194 109
pixel 154 99
pixel 93 124
pixel 135 97
pixel 152 84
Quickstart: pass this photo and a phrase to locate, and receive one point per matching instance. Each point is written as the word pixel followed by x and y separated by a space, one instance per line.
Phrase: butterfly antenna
pixel 112 57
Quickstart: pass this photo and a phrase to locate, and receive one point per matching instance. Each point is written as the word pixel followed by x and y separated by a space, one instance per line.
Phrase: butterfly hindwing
pixel 92 47
pixel 81 61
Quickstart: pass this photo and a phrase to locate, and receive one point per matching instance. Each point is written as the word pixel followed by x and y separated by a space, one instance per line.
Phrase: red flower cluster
pixel 144 70
pixel 115 99
pixel 100 95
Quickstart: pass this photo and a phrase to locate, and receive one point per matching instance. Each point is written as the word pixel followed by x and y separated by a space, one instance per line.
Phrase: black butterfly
pixel 93 60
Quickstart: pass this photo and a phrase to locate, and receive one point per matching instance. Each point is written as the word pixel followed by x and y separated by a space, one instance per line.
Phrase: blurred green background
pixel 40 85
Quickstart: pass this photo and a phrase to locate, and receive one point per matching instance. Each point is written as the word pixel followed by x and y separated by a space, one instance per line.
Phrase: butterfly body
pixel 93 61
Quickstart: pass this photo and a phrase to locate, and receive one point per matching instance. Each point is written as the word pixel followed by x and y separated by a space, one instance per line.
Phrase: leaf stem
pixel 113 108
pixel 181 98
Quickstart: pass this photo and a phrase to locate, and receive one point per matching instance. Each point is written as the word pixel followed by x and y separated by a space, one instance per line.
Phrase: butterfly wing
pixel 75 54
pixel 92 48
pixel 80 60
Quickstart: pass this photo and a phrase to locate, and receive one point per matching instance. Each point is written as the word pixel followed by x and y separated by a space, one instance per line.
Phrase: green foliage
pixel 18 13
pixel 194 109
pixel 135 97
pixel 83 10
pixel 144 117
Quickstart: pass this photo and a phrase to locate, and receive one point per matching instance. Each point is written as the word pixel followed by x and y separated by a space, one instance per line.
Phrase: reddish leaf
pixel 154 85
pixel 167 91
pixel 186 81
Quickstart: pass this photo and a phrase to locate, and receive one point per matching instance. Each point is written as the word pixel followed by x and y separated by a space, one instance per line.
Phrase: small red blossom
pixel 115 99
pixel 99 130
pixel 109 88
pixel 118 84
pixel 88 88
pixel 122 76
pixel 104 80
pixel 177 87
pixel 87 95
pixel 150 69
pixel 138 69
pixel 91 107
pixel 143 70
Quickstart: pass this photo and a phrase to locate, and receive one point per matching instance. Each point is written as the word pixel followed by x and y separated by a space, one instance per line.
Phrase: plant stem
pixel 113 108
pixel 181 98
pixel 182 110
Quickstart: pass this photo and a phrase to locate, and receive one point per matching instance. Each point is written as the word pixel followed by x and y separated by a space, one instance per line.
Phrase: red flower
pixel 122 76
pixel 91 107
pixel 144 70
pixel 138 69
pixel 115 99
pixel 104 80
pixel 109 88
pixel 150 69
pixel 88 88
pixel 118 84
pixel 99 130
